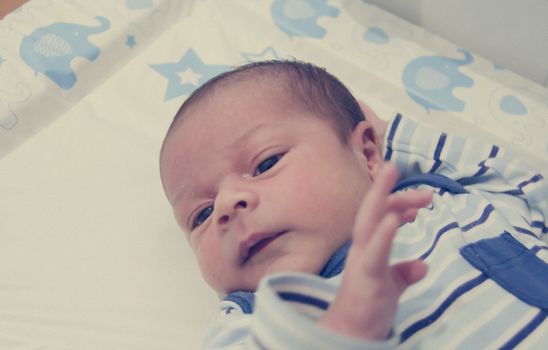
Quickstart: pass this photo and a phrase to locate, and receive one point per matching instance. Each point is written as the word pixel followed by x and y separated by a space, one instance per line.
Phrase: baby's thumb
pixel 409 272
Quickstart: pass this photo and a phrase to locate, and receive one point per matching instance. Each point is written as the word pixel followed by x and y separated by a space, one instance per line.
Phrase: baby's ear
pixel 363 140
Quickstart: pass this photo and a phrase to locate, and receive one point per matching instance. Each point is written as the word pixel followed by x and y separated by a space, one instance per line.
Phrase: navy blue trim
pixel 483 168
pixel 245 300
pixel 535 249
pixel 518 191
pixel 524 231
pixel 434 180
pixel 443 230
pixel 512 266
pixel 535 178
pixel 422 323
pixel 539 224
pixel 494 151
pixel 390 138
pixel 304 299
pixel 472 180
pixel 525 331
pixel 335 265
pixel 437 152
pixel 484 216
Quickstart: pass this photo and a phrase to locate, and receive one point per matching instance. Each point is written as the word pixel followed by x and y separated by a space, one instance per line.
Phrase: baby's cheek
pixel 319 197
pixel 309 183
pixel 215 266
pixel 212 274
pixel 206 257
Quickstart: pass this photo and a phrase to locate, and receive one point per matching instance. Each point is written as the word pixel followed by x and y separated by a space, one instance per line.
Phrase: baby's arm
pixel 366 302
pixel 230 329
pixel 416 148
pixel 482 168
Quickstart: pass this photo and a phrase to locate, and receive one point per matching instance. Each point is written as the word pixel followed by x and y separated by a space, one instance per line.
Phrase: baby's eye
pixel 202 216
pixel 267 164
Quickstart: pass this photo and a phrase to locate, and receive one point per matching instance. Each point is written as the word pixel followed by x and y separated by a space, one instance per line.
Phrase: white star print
pixel 189 77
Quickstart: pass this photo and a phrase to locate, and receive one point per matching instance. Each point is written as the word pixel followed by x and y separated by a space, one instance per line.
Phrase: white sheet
pixel 90 256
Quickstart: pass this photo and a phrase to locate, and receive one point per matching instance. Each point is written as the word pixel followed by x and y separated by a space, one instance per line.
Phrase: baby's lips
pixel 254 243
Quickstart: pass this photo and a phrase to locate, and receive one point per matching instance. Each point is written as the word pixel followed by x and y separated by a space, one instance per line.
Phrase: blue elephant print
pixel 298 17
pixel 49 50
pixel 138 4
pixel 510 104
pixel 376 35
pixel 430 80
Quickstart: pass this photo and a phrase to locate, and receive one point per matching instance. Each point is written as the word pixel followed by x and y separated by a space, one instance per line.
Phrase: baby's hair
pixel 310 87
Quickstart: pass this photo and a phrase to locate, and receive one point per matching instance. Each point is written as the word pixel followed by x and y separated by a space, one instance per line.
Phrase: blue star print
pixel 187 75
pixel 2 60
pixel 131 41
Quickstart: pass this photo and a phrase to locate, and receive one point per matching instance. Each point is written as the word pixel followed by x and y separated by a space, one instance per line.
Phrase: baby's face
pixel 260 187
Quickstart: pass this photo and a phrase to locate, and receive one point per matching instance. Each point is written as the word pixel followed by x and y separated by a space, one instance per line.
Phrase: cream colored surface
pixel 90 256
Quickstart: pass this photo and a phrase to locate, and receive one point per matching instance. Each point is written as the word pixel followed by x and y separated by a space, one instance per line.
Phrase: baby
pixel 280 183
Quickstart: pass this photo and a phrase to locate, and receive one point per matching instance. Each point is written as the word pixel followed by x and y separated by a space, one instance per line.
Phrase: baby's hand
pixel 367 300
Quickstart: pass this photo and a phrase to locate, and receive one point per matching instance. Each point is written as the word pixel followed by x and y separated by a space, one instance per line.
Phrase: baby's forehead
pixel 276 87
pixel 248 93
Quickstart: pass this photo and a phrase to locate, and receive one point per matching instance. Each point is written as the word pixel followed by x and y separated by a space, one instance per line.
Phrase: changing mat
pixel 91 257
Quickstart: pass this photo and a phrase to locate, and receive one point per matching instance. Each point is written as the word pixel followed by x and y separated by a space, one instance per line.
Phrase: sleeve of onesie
pixel 478 166
pixel 230 328
pixel 287 306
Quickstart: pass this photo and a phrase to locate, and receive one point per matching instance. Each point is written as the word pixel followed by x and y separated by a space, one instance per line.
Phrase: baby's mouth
pixel 255 243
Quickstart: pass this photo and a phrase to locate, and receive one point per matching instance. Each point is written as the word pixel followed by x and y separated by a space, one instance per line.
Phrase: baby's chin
pixel 296 264
pixel 283 264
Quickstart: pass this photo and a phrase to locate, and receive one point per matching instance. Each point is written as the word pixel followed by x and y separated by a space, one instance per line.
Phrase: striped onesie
pixel 484 239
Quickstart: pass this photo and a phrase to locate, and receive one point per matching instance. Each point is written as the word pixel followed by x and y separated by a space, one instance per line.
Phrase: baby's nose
pixel 226 216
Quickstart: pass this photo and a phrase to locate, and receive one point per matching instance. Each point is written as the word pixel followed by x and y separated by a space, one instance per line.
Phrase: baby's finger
pixel 404 200
pixel 408 273
pixel 408 215
pixel 379 246
pixel 373 207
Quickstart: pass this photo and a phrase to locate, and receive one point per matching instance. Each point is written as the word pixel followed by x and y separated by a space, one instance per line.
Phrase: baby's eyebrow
pixel 179 197
pixel 183 206
pixel 182 198
pixel 242 139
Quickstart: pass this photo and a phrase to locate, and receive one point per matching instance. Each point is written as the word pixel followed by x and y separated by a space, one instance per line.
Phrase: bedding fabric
pixel 90 255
